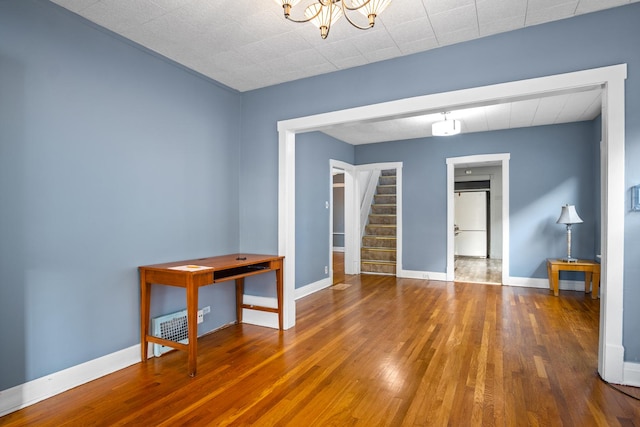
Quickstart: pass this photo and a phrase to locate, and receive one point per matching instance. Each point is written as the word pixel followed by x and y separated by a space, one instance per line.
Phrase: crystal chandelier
pixel 323 13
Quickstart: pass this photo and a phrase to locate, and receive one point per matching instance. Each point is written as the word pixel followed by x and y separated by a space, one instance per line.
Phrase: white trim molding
pixel 313 288
pixel 260 318
pixel 427 275
pixel 631 374
pixel 611 79
pixel 538 283
pixel 351 247
pixel 32 392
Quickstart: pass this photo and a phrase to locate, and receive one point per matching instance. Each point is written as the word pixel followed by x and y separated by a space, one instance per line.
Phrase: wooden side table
pixel 590 268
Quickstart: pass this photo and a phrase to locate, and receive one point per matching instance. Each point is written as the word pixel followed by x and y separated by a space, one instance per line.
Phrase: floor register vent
pixel 169 327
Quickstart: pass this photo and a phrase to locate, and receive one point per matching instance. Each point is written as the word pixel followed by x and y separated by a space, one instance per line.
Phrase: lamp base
pixel 569 259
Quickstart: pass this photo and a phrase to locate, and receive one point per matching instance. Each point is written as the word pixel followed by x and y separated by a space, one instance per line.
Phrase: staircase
pixel 378 253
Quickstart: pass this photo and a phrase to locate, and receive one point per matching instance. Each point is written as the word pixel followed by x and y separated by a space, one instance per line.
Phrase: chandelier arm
pixel 331 4
pixel 304 20
pixel 344 5
pixel 354 24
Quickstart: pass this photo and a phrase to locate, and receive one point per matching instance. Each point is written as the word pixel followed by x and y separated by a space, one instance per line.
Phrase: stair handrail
pixel 367 198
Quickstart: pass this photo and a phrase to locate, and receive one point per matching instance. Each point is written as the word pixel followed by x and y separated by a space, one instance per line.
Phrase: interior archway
pixel 611 79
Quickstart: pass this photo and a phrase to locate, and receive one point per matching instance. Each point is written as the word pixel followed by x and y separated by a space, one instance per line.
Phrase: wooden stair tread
pixel 377 248
pixel 378 262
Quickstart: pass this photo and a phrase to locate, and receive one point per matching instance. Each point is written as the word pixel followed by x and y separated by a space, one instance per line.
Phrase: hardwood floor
pixel 338 267
pixel 377 351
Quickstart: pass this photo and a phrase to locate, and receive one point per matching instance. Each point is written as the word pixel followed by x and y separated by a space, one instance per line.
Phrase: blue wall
pixel 110 158
pixel 541 181
pixel 588 41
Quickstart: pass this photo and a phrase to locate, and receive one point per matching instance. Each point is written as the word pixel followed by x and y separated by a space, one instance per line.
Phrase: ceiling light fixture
pixel 446 127
pixel 323 13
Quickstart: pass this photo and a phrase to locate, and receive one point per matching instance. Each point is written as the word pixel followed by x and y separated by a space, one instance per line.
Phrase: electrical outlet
pixel 200 316
pixel 206 310
pixel 326 269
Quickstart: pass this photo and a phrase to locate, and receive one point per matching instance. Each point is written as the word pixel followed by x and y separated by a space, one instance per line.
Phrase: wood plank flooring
pixel 375 351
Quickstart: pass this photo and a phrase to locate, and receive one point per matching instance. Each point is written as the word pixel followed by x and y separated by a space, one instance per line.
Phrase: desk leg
pixel 145 302
pixel 192 325
pixel 595 291
pixel 239 298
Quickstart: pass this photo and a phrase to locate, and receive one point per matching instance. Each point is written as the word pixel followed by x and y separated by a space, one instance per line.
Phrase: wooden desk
pixel 591 271
pixel 218 269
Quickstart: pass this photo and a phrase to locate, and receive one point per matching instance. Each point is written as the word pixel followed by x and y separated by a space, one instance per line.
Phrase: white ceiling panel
pixel 398 16
pixel 498 116
pixel 496 16
pixel 493 10
pixel 501 26
pixel 439 6
pixel 455 20
pixel 539 15
pixel 576 106
pixel 549 109
pixel 522 113
pixel 417 29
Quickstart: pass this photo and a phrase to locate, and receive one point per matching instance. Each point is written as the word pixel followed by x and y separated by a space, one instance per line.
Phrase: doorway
pixel 338 226
pixel 495 168
pixel 478 227
pixel 357 187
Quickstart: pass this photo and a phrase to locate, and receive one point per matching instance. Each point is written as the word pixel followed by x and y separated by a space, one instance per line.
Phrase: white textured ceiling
pixel 247 44
pixel 555 109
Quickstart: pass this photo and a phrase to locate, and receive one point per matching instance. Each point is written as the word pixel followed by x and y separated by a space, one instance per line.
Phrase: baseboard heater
pixel 172 327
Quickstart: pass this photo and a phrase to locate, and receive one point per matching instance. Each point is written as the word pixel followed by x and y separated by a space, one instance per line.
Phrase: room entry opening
pixel 474 260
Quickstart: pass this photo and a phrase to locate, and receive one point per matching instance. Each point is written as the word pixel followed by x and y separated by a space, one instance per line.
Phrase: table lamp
pixel 569 216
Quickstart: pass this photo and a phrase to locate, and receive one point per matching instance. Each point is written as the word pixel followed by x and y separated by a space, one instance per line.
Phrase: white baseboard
pixel 31 392
pixel 632 374
pixel 260 318
pixel 312 288
pixel 529 282
pixel 338 249
pixel 427 275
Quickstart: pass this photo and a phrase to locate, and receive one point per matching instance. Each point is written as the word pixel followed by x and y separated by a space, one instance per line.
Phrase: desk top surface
pixel 217 262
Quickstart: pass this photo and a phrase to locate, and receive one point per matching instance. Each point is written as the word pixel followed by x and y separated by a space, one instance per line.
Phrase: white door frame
pixel 351 211
pixel 611 79
pixel 503 159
